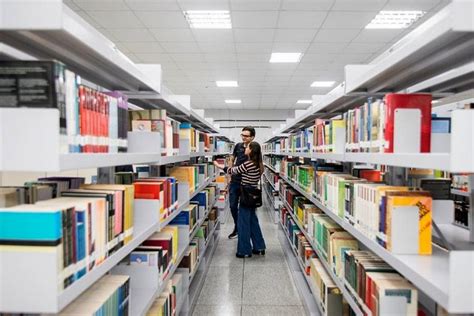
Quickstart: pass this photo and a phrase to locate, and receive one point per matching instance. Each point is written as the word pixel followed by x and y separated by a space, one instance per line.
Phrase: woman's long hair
pixel 256 155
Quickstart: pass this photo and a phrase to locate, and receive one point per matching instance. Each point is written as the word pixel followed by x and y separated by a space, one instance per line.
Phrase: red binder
pixel 395 101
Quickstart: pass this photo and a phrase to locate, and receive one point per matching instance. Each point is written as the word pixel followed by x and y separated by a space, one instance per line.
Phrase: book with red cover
pixel 148 190
pixel 371 175
pixel 395 101
pixel 161 240
pixel 164 184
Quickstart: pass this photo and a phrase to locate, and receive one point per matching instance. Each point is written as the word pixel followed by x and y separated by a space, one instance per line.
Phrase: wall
pixel 264 121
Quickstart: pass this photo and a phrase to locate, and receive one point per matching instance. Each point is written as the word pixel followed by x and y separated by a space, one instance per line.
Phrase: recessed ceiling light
pixel 285 57
pixel 214 19
pixel 233 101
pixel 227 83
pixel 304 101
pixel 394 19
pixel 323 84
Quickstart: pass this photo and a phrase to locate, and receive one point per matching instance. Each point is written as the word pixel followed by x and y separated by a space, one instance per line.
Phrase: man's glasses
pixel 246 136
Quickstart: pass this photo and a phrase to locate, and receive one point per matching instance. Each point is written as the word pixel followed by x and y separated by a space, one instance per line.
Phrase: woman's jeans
pixel 249 229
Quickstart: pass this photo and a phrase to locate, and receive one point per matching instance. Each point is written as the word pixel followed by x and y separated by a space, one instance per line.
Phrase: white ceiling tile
pixel 223 57
pixel 180 47
pixel 267 106
pixel 320 47
pixel 294 35
pixel 116 19
pixel 359 5
pixel 153 5
pixel 424 5
pixel 189 57
pixel 203 5
pixel 217 47
pixel 108 35
pixel 317 58
pixel 163 19
pixel 253 35
pixel 210 35
pixel 376 36
pixel 101 5
pixel 142 47
pixel 252 5
pixel 348 20
pixel 301 19
pixel 223 66
pixel 133 57
pixel 132 35
pixel 336 36
pixel 190 65
pixel 253 47
pixel 289 47
pixel 249 66
pixel 253 58
pixel 173 35
pixel 254 19
pixel 320 5
pixel 364 47
pixel 153 57
pixel 286 67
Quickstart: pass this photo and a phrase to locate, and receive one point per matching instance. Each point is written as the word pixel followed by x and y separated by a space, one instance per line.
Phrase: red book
pixel 82 114
pixel 371 175
pixel 165 186
pixel 395 101
pixel 148 190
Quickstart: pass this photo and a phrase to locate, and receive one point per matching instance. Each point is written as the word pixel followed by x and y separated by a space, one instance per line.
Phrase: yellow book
pixel 172 229
pixel 184 174
pixel 424 205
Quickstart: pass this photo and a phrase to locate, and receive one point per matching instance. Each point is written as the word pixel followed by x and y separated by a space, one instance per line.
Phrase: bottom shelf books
pixel 167 302
pixel 108 296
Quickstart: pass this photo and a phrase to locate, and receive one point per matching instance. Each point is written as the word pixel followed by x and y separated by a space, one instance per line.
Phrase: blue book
pixel 30 223
pixel 181 219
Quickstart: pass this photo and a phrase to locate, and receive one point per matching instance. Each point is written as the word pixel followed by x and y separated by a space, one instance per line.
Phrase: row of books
pixel 385 214
pixel 108 296
pixel 371 127
pixel 90 120
pixel 81 229
pixel 167 302
pixel 461 182
pixel 192 174
pixel 163 189
pixel 338 249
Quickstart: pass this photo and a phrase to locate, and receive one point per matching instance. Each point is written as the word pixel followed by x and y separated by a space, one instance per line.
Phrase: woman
pixel 248 226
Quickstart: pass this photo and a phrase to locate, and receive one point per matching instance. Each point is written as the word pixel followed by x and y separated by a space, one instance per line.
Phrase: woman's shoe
pixel 238 255
pixel 259 252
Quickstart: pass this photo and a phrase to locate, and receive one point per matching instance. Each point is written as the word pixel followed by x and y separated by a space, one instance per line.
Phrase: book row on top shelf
pixel 76 232
pixel 395 222
pixel 398 130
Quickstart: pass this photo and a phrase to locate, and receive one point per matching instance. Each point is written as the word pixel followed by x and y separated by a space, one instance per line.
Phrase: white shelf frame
pixel 436 275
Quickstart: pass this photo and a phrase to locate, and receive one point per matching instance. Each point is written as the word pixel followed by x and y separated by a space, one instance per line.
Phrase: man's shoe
pixel 259 252
pixel 233 235
pixel 238 255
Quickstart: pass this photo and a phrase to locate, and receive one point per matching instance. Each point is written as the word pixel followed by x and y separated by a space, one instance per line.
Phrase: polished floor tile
pixel 223 285
pixel 217 310
pixel 274 310
pixel 265 285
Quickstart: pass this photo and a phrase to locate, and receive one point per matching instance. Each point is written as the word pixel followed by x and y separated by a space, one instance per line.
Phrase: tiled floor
pixel 261 285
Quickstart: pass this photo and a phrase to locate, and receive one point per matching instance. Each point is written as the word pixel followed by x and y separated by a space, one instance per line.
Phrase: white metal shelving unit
pixel 436 58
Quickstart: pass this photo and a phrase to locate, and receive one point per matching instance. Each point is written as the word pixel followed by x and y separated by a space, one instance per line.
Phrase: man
pixel 238 157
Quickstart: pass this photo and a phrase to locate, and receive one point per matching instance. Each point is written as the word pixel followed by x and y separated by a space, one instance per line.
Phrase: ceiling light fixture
pixel 233 101
pixel 230 83
pixel 304 101
pixel 214 19
pixel 394 19
pixel 322 84
pixel 285 57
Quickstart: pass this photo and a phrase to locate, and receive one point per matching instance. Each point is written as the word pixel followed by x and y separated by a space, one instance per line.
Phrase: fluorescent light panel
pixel 233 101
pixel 213 19
pixel 285 57
pixel 228 83
pixel 322 84
pixel 304 101
pixel 394 19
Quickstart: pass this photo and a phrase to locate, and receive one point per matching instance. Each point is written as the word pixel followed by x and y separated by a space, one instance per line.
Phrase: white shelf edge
pixel 460 192
pixel 410 266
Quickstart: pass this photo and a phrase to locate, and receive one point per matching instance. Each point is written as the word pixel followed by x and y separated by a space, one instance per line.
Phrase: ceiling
pixel 329 33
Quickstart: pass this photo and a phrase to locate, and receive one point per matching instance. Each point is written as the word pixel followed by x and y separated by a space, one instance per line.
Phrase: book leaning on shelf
pixel 167 302
pixel 90 121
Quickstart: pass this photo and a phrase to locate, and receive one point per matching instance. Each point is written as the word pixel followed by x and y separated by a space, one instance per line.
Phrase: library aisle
pixel 261 285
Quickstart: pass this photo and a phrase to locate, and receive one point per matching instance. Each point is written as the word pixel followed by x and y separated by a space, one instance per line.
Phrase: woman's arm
pixel 238 169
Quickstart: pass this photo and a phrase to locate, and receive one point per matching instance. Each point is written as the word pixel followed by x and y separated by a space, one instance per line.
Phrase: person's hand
pixel 217 165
